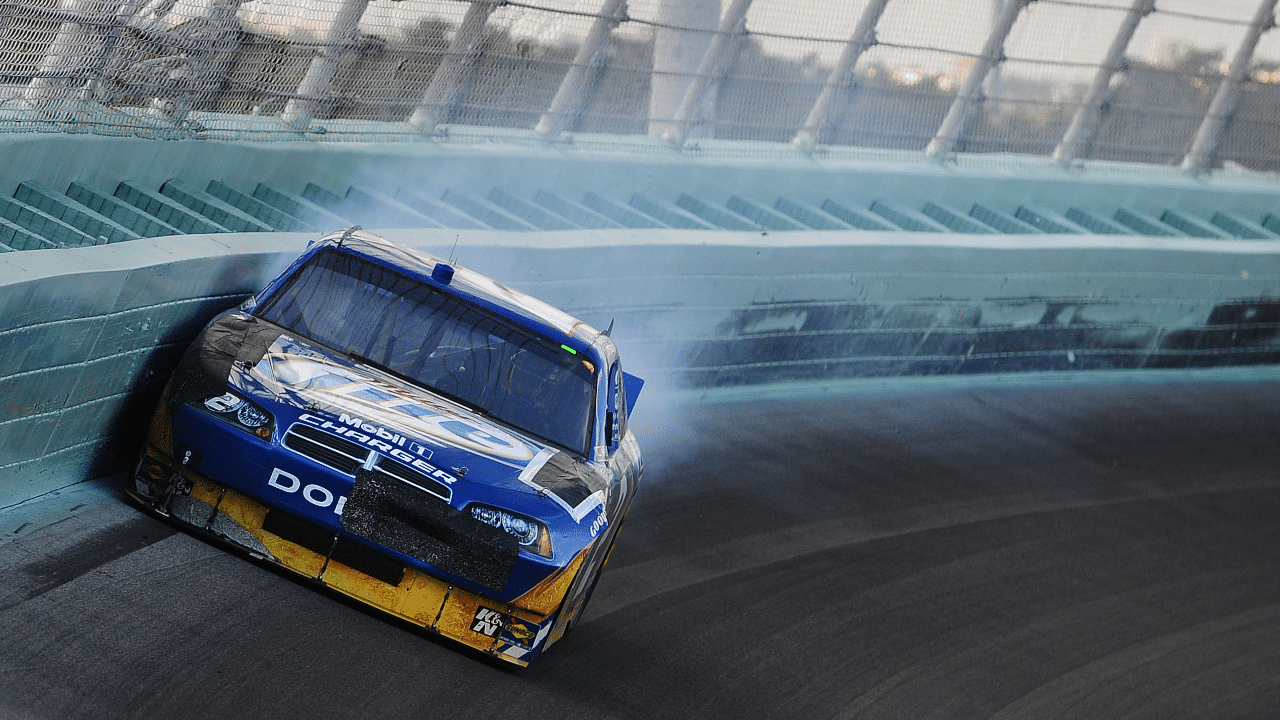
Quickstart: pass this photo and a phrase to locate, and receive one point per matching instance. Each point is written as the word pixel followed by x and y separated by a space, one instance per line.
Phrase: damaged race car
pixel 415 436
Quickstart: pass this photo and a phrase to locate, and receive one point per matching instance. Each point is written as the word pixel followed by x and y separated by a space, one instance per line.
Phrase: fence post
pixel 208 47
pixel 568 102
pixel 74 50
pixel 944 141
pixel 442 94
pixel 683 34
pixel 318 82
pixel 697 107
pixel 841 80
pixel 1209 135
pixel 1086 117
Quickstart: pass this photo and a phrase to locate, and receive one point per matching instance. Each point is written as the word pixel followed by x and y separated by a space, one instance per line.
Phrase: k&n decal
pixel 487 622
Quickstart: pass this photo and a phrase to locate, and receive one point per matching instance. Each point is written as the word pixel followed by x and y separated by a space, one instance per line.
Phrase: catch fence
pixel 1169 82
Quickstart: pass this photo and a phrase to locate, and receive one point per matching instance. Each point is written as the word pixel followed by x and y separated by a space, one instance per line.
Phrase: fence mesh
pixel 923 80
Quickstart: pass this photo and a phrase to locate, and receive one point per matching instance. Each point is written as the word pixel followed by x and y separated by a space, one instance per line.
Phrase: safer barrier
pixel 88 335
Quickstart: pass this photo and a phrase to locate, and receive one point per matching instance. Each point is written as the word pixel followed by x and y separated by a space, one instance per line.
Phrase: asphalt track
pixel 961 551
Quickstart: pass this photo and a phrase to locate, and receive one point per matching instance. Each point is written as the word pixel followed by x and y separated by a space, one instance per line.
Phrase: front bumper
pixel 517 631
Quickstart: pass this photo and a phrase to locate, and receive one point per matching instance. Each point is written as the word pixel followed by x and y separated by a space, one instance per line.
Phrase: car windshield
pixel 441 342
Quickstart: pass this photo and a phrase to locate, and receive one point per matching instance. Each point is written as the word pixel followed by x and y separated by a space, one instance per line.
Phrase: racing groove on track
pixel 993 551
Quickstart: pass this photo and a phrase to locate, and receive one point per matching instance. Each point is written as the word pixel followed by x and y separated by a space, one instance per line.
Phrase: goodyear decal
pixel 601 522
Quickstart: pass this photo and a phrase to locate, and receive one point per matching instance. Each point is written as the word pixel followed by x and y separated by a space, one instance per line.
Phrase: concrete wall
pixel 88 336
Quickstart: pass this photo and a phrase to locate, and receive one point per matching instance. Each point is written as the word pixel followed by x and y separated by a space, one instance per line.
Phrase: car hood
pixel 299 381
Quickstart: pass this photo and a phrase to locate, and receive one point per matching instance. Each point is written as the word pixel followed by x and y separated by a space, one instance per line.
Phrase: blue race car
pixel 418 437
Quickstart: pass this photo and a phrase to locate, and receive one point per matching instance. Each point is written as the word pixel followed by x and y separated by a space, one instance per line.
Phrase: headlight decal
pixel 240 412
pixel 251 416
pixel 531 534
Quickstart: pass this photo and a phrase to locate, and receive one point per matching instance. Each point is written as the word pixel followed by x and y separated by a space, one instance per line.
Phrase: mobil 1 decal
pixel 391 444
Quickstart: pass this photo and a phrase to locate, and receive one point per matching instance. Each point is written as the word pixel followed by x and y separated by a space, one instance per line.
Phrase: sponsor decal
pixel 487 622
pixel 601 522
pixel 396 410
pixel 224 403
pixel 521 632
pixel 366 433
pixel 317 495
pixel 380 439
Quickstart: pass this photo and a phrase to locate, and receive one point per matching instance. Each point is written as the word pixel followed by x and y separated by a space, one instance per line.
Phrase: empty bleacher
pixel 41 217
